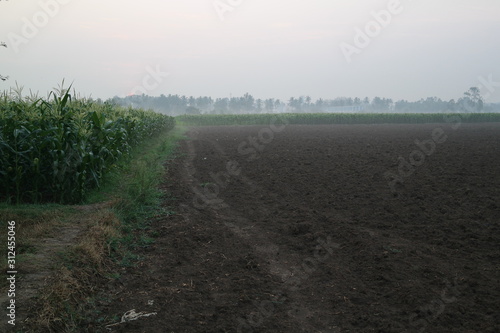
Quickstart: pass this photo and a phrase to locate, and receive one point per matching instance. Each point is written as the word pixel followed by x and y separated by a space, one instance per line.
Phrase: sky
pixel 399 49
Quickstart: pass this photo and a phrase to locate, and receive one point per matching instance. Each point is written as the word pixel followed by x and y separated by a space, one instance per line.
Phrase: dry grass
pixel 67 251
pixel 32 224
pixel 70 256
pixel 94 247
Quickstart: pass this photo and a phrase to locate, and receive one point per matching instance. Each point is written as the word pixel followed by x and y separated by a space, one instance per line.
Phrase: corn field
pixel 336 118
pixel 56 149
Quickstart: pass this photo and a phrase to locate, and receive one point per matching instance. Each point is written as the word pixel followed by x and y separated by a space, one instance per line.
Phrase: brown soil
pixel 305 234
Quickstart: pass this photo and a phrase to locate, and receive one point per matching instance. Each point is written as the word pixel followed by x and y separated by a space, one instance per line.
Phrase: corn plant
pixel 56 149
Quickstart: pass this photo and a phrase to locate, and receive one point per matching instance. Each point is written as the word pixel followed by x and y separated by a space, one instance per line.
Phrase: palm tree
pixel 472 100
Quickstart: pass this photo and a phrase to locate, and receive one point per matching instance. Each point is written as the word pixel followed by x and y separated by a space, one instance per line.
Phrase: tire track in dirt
pixel 422 260
pixel 278 261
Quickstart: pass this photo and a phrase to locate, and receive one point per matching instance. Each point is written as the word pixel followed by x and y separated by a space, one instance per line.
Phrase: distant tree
pixel 269 105
pixel 183 100
pixel 191 101
pixel 221 104
pixel 377 103
pixel 319 103
pixel 472 100
pixel 248 102
pixel 234 104
pixel 451 105
pixel 294 104
pixel 382 104
pixel 258 105
pixel 402 106
pixel 3 78
pixel 300 103
pixel 204 103
pixel 277 104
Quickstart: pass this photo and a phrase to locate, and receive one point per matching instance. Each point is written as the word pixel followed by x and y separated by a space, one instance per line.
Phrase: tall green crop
pixel 57 149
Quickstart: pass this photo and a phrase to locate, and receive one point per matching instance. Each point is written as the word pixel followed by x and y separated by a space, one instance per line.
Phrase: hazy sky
pixel 269 48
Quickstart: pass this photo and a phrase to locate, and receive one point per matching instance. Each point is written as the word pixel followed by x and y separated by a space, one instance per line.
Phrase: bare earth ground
pixel 304 234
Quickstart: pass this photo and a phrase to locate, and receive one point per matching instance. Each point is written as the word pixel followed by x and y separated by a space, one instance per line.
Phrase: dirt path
pixel 299 231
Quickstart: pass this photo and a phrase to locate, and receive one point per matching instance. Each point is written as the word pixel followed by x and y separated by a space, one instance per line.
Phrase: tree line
pixel 471 101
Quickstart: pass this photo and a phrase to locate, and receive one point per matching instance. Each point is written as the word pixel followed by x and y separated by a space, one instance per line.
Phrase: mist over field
pixel 471 102
pixel 399 50
pixel 250 166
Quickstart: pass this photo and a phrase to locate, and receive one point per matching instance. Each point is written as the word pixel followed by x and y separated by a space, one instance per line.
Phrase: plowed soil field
pixel 335 228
